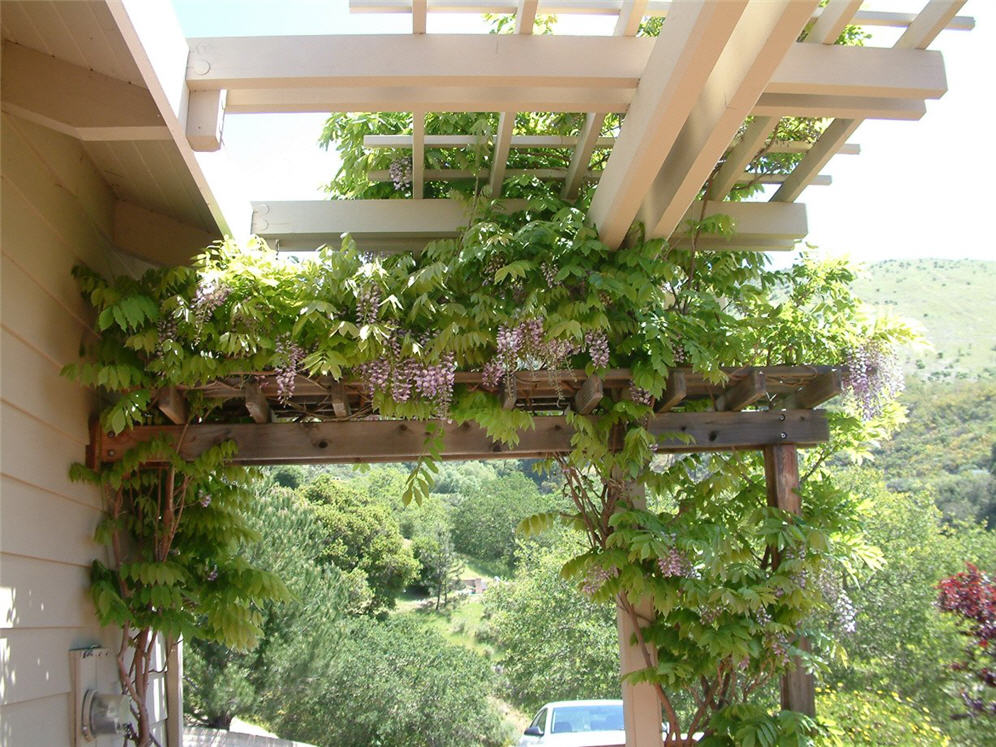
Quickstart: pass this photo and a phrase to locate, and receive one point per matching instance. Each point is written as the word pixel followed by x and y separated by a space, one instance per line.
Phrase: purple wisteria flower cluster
pixel 208 297
pixel 836 596
pixel 524 346
pixel 289 355
pixel 596 579
pixel 401 173
pixel 873 375
pixel 403 376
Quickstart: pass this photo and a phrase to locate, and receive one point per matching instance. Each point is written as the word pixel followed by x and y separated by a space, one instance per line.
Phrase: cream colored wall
pixel 56 212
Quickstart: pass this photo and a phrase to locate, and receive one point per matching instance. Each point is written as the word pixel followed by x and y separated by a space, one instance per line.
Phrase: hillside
pixel 955 303
pixel 949 444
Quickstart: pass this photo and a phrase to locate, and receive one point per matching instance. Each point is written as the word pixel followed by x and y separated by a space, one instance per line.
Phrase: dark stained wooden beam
pixel 257 405
pixel 676 390
pixel 589 395
pixel 173 405
pixel 340 403
pixel 781 472
pixel 399 441
pixel 824 387
pixel 747 391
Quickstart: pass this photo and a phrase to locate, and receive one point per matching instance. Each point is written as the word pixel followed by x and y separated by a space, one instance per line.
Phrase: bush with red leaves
pixel 971 596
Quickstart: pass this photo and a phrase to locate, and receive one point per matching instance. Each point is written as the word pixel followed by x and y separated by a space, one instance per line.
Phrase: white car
pixel 577 723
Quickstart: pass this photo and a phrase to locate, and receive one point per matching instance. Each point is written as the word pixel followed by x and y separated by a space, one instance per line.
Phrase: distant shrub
pixel 876 718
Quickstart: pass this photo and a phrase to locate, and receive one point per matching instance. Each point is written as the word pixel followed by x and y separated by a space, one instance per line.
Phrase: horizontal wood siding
pixel 57 212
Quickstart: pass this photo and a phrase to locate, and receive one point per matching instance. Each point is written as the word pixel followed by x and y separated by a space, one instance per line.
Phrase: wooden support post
pixel 174 692
pixel 641 706
pixel 781 471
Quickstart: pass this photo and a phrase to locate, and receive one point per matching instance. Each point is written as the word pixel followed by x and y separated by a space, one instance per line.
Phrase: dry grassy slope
pixel 954 300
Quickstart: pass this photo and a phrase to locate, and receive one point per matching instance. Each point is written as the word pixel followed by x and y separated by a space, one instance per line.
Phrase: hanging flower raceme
pixel 873 376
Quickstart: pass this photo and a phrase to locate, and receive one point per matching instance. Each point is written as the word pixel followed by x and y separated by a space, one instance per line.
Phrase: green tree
pixel 399 683
pixel 299 635
pixel 555 642
pixel 901 642
pixel 439 565
pixel 362 534
pixel 485 518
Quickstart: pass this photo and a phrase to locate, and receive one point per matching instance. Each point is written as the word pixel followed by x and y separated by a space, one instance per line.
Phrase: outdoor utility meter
pixel 105 714
pixel 101 716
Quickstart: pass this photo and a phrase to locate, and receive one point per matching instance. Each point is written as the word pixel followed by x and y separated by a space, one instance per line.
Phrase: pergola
pixel 682 147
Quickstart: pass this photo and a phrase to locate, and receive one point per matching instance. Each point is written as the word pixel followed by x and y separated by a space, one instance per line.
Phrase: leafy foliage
pixel 485 518
pixel 556 644
pixel 533 290
pixel 971 597
pixel 361 535
pixel 298 634
pixel 397 682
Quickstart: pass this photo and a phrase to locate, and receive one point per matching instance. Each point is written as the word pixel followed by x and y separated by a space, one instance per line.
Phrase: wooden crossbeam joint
pixel 256 404
pixel 743 393
pixel 340 403
pixel 824 387
pixel 173 405
pixel 676 390
pixel 589 395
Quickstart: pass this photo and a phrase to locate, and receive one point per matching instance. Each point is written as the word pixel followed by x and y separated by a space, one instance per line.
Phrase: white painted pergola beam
pixel 409 224
pixel 469 141
pixel 759 42
pixel 403 73
pixel 612 7
pixel 156 43
pixel 691 42
pixel 832 20
pixel 403 142
pixel 75 100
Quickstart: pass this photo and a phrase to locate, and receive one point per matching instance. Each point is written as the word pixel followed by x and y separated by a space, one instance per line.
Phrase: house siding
pixel 56 212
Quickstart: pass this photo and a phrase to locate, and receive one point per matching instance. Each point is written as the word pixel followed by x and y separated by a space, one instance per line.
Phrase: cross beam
pixel 399 441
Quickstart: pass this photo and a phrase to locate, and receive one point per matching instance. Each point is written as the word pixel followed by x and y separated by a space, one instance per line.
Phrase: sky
pixel 918 189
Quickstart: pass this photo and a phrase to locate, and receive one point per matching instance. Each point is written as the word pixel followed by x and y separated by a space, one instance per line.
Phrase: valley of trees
pixel 377 592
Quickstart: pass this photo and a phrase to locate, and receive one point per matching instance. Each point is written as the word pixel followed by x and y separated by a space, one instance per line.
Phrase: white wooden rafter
pixel 395 225
pixel 627 24
pixel 756 48
pixel 752 141
pixel 418 154
pixel 419 12
pixel 690 43
pixel 520 72
pixel 654 8
pixel 832 20
pixel 921 31
pixel 525 19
